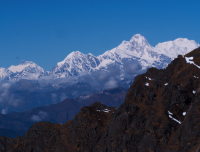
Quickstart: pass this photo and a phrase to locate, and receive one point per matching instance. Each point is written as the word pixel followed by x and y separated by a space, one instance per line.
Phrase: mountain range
pixel 137 51
pixel 27 85
pixel 160 113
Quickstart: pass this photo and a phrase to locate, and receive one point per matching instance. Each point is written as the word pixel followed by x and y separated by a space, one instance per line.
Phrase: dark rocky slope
pixel 160 113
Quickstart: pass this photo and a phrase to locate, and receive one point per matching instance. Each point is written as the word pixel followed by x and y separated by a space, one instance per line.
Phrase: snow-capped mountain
pixel 26 70
pixel 176 47
pixel 137 50
pixel 74 64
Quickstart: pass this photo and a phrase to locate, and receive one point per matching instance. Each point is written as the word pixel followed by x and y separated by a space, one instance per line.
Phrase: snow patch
pixel 147 84
pixel 170 113
pixel 170 116
pixel 105 110
pixel 149 78
pixel 174 119
pixel 188 60
pixel 184 113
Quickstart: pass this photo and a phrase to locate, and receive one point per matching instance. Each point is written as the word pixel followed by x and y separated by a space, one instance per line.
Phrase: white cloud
pixel 110 84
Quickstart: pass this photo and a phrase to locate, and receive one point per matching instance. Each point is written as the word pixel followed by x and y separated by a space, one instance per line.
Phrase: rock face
pixel 160 113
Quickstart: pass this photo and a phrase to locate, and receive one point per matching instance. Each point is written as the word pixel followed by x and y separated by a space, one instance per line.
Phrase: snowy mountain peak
pixel 26 70
pixel 71 56
pixel 24 65
pixel 25 62
pixel 74 54
pixel 139 39
pixel 90 54
pixel 137 48
pixel 176 47
pixel 75 64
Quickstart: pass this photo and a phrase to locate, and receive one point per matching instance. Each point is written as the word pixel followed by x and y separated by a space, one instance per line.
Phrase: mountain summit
pixel 74 64
pixel 26 70
pixel 139 39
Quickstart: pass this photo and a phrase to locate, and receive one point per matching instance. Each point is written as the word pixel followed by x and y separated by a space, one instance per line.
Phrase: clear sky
pixel 46 31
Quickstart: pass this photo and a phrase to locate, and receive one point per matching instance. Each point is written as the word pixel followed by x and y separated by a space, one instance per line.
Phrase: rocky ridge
pixel 160 113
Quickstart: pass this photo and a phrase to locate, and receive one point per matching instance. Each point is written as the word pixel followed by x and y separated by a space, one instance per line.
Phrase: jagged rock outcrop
pixel 160 113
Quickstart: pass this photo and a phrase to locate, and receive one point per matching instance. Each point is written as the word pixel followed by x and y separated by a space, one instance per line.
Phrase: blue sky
pixel 46 31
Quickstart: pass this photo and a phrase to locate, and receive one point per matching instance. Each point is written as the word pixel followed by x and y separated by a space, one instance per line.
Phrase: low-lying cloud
pixel 24 94
pixel 41 116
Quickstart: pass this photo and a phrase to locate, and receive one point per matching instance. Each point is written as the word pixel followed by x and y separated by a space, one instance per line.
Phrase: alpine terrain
pixel 160 113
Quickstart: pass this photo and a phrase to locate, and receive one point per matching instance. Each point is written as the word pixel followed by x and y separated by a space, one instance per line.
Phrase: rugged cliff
pixel 160 113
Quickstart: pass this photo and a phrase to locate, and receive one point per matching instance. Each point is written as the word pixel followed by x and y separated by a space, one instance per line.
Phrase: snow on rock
pixel 170 116
pixel 106 110
pixel 174 119
pixel 184 113
pixel 170 113
pixel 188 60
pixel 147 84
pixel 149 78
pixel 166 84
pixel 193 92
